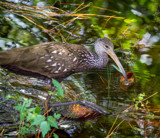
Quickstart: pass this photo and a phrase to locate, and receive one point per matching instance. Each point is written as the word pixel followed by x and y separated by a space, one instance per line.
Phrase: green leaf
pixel 134 128
pixel 57 115
pixel 38 120
pixel 10 96
pixel 22 116
pixel 18 107
pixel 28 103
pixel 52 121
pixel 140 98
pixel 50 92
pixel 31 110
pixel 136 106
pixel 55 124
pixel 31 116
pixel 33 128
pixel 55 135
pixel 55 83
pixel 45 127
pixel 50 118
pixel 149 116
pixel 24 130
pixel 27 124
pixel 60 91
pixel 116 68
pixel 37 110
pixel 129 21
pixel 142 94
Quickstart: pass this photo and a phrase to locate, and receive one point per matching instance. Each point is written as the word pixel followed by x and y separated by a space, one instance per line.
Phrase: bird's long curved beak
pixel 111 53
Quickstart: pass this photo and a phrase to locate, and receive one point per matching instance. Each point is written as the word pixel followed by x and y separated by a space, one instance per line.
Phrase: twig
pixel 115 129
pixel 140 101
pixel 112 126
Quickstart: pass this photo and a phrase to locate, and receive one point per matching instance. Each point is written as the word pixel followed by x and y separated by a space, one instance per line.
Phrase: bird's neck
pixel 99 60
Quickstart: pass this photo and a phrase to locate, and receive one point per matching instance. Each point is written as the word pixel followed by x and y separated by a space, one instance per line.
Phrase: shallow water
pixel 103 89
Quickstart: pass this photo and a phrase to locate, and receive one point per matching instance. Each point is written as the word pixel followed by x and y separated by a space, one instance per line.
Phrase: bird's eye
pixel 107 46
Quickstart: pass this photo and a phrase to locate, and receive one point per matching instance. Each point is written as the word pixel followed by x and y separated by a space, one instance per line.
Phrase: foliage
pixel 58 87
pixel 58 92
pixel 139 100
pixel 116 68
pixel 32 118
pixel 141 104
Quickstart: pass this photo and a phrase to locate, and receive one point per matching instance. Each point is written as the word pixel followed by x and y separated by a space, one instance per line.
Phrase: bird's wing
pixel 49 59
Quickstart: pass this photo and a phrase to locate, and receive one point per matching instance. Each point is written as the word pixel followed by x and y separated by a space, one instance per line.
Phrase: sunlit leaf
pixel 52 121
pixel 18 107
pixel 55 83
pixel 136 106
pixel 57 115
pixel 140 98
pixel 31 110
pixel 129 21
pixel 45 127
pixel 116 68
pixel 38 120
pixel 60 91
pixel 31 116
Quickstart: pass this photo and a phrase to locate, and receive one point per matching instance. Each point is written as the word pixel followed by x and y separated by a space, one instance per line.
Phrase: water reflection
pixel 145 58
pixel 149 40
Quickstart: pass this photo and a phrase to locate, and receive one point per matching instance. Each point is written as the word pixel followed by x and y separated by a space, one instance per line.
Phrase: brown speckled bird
pixel 58 60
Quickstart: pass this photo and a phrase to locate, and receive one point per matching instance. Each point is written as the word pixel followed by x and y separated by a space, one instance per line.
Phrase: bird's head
pixel 105 45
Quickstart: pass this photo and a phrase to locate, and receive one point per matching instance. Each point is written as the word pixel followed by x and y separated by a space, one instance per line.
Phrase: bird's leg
pixel 49 97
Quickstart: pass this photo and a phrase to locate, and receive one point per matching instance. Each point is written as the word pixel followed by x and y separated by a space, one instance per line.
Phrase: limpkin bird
pixel 58 60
